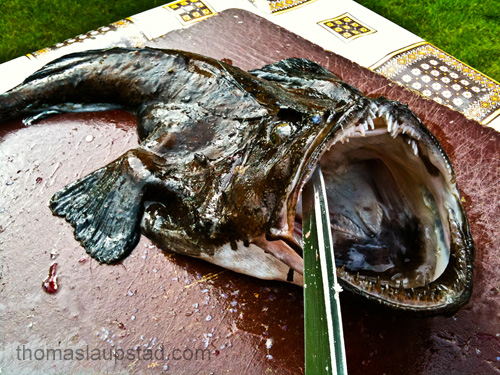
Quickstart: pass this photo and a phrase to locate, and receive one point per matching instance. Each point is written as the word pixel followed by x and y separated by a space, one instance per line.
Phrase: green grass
pixel 467 29
pixel 27 26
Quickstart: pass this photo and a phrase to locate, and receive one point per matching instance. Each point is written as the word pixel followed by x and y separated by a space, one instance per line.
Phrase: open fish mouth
pixel 399 230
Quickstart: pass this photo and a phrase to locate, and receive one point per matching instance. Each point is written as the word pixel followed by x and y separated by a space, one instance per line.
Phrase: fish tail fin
pixel 67 84
pixel 105 208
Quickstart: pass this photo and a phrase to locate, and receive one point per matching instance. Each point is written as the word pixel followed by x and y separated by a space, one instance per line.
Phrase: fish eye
pixel 281 133
pixel 316 119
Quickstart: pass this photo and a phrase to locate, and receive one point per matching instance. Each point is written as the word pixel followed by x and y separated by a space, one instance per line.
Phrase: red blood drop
pixel 50 284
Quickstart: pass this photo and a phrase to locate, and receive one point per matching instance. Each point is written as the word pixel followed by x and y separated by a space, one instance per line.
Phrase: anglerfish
pixel 224 155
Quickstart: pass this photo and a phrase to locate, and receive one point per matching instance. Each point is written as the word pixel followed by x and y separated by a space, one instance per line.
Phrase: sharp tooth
pixel 369 120
pixel 361 128
pixel 373 107
pixel 389 122
pixel 330 118
pixel 414 147
pixel 394 128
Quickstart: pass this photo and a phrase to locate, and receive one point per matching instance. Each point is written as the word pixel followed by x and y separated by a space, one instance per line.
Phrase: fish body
pixel 223 157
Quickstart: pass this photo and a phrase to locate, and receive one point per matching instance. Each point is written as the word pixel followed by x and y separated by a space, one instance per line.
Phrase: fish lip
pixel 449 291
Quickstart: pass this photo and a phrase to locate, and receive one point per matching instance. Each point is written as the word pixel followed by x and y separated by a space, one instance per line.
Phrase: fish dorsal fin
pixel 309 78
pixel 71 60
pixel 292 69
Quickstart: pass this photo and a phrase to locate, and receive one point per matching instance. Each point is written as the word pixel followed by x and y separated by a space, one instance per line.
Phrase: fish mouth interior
pixel 390 194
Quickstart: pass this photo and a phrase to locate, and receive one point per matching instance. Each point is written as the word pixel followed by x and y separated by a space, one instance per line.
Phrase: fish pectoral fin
pixel 105 208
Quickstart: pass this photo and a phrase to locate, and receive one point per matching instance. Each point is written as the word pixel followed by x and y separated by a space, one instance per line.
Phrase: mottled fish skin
pixel 223 155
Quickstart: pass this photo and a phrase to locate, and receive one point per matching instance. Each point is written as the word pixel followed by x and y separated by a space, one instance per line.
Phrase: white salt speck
pixel 195 305
pixel 269 343
pixel 269 356
pixel 132 317
pixel 208 318
pixel 89 138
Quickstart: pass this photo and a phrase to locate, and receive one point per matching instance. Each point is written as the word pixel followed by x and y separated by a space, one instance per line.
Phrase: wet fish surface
pixel 224 155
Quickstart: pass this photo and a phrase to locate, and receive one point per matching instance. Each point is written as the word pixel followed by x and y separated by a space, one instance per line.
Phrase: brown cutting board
pixel 178 306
